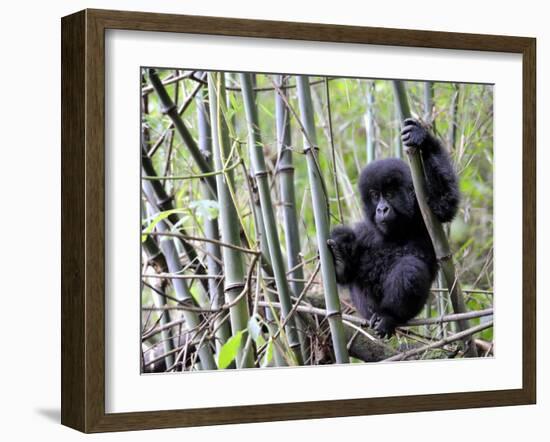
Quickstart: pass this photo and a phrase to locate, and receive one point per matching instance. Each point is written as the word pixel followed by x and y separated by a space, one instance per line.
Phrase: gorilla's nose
pixel 382 210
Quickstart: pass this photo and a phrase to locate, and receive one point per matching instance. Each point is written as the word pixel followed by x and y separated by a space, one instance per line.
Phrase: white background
pixel 30 114
pixel 126 52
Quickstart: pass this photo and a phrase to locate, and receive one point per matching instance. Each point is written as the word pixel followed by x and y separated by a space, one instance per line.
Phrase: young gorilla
pixel 387 260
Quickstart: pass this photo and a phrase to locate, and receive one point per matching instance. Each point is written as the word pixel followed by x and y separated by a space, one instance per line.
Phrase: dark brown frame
pixel 83 215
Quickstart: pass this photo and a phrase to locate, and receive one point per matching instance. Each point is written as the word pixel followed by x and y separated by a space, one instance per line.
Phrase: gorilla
pixel 387 260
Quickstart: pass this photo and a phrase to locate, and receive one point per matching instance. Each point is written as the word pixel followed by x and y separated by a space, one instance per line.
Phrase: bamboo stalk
pixel 453 117
pixel 171 110
pixel 434 227
pixel 319 202
pixel 156 259
pixel 428 119
pixel 183 294
pixel 369 122
pixel 260 173
pixel 429 103
pixel 228 218
pixel 401 109
pixel 285 170
pixel 164 203
pixel 267 269
pixel 211 228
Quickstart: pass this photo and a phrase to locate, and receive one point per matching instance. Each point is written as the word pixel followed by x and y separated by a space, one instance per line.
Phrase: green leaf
pixel 198 295
pixel 229 350
pixel 158 218
pixel 266 110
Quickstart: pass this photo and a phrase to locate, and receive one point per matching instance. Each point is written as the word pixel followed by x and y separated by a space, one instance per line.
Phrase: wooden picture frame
pixel 83 215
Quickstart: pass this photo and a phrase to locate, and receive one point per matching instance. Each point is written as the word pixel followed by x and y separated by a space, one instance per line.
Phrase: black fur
pixel 387 260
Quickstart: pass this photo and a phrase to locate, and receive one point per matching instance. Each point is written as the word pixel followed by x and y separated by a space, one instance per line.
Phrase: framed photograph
pixel 270 220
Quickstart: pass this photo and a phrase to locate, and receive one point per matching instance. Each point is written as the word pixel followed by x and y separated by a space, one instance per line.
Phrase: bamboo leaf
pixel 230 349
pixel 161 216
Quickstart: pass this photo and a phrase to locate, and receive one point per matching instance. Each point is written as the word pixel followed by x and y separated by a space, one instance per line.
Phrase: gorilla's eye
pixel 388 194
pixel 374 194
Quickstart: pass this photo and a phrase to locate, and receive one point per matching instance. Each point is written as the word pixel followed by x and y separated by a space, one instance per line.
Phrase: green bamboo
pixel 156 259
pixel 320 213
pixel 402 109
pixel 453 117
pixel 285 170
pixel 183 294
pixel 211 228
pixel 267 269
pixel 228 218
pixel 260 173
pixel 164 203
pixel 169 108
pixel 369 120
pixel 428 119
pixel 428 103
pixel 434 227
pixel 441 302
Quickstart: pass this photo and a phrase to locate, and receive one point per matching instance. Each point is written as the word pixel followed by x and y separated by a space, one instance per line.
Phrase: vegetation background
pixel 262 122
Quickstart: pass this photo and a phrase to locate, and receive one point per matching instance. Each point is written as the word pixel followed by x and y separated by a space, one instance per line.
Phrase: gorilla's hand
pixel 339 260
pixel 415 134
pixel 341 244
pixel 384 326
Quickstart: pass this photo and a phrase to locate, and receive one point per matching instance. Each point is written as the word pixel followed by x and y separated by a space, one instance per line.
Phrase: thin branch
pixel 192 177
pixel 333 151
pixel 203 239
pixel 170 80
pixel 296 306
pixel 456 337
pixel 412 323
pixel 181 110
pixel 263 89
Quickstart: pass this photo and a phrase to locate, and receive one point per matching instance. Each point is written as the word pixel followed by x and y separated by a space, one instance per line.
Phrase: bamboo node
pixel 308 148
pixel 333 314
pixel 284 169
pixel 261 173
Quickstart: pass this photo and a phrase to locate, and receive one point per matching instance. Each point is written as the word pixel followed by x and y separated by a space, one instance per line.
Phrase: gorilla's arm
pixel 441 179
pixel 344 247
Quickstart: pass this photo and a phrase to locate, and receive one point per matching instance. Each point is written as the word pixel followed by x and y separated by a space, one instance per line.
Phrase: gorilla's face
pixel 384 213
pixel 387 193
